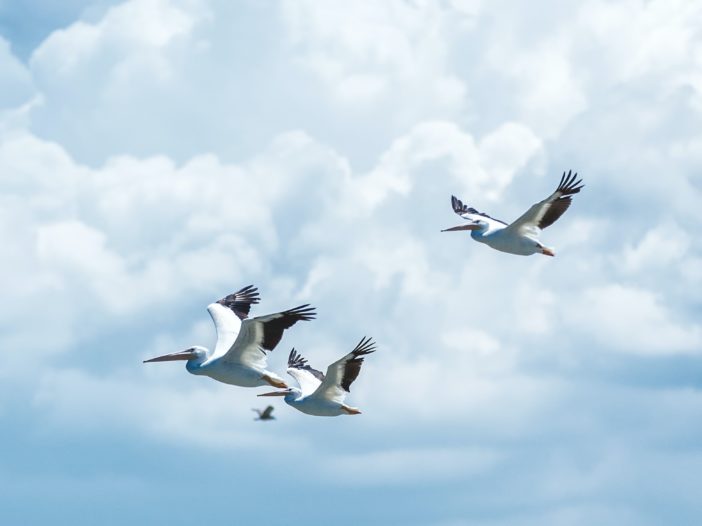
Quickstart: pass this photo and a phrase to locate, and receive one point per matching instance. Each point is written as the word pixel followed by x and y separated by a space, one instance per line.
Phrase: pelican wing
pixel 264 414
pixel 546 212
pixel 228 314
pixel 341 374
pixel 263 333
pixel 471 214
pixel 308 378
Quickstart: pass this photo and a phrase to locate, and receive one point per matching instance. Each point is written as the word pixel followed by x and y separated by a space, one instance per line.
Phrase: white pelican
pixel 239 356
pixel 321 395
pixel 265 414
pixel 522 236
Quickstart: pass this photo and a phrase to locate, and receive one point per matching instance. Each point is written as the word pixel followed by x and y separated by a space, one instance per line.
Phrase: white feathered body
pixel 504 240
pixel 315 406
pixel 232 373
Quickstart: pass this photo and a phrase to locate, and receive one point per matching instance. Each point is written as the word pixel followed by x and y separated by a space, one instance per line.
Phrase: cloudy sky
pixel 156 155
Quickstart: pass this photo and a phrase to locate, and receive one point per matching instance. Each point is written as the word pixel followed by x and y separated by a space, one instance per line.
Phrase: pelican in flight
pixel 321 395
pixel 522 236
pixel 265 414
pixel 239 356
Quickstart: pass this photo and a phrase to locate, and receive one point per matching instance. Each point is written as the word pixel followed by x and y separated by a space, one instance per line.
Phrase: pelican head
pixel 473 225
pixel 191 354
pixel 291 393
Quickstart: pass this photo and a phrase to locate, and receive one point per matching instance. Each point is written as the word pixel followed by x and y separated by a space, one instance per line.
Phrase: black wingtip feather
pixel 240 301
pixel 365 346
pixel 460 208
pixel 302 312
pixel 569 185
pixel 296 361
pixel 353 366
pixel 273 329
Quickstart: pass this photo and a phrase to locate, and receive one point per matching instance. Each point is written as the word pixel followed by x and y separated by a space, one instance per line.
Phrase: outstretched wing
pixel 546 212
pixel 263 333
pixel 227 315
pixel 342 373
pixel 267 413
pixel 471 214
pixel 308 378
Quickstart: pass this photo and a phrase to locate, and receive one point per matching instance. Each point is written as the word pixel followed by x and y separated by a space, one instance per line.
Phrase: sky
pixel 156 155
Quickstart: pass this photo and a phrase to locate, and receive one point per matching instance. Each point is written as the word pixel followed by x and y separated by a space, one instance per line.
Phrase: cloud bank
pixel 158 154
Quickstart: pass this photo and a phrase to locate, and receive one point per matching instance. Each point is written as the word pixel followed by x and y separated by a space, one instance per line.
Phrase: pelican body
pixel 239 357
pixel 522 236
pixel 265 414
pixel 320 394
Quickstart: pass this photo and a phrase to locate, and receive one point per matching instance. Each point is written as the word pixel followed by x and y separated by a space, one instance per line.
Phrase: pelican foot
pixel 351 410
pixel 280 384
pixel 547 252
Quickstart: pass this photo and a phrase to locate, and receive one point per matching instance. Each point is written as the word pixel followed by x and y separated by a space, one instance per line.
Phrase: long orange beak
pixel 470 226
pixel 181 355
pixel 276 393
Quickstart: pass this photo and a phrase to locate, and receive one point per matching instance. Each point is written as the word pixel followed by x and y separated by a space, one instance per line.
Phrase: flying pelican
pixel 321 395
pixel 522 236
pixel 239 356
pixel 265 414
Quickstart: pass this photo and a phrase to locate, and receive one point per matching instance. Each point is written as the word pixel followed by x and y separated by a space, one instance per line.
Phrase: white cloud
pixel 15 81
pixel 319 166
pixel 662 247
pixel 148 26
pixel 638 38
pixel 549 92
pixel 371 52
pixel 632 320
pixel 485 168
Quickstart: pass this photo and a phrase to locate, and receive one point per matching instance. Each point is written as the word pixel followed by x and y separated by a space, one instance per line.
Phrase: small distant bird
pixel 522 236
pixel 239 356
pixel 265 414
pixel 321 395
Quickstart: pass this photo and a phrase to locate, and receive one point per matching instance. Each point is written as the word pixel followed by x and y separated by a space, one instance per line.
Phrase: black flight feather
pixel 353 365
pixel 240 302
pixel 273 328
pixel 566 188
pixel 460 208
pixel 296 361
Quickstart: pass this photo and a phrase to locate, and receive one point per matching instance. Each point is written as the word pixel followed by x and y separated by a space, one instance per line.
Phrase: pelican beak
pixel 276 393
pixel 470 226
pixel 188 354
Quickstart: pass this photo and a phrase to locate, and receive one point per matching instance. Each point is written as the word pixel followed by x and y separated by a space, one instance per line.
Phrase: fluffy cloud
pixel 15 81
pixel 370 52
pixel 165 152
pixel 633 320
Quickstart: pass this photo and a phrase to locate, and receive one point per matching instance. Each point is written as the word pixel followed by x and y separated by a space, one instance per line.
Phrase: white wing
pixel 227 315
pixel 308 378
pixel 546 212
pixel 262 334
pixel 341 374
pixel 471 214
